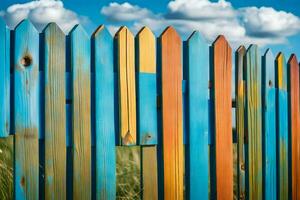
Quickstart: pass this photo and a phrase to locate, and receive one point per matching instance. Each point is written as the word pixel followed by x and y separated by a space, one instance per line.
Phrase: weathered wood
pixel 81 112
pixel 55 112
pixel 172 124
pixel 103 65
pixel 126 83
pixel 196 56
pixel 269 126
pixel 282 128
pixel 147 109
pixel 146 87
pixel 240 118
pixel 26 111
pixel 254 123
pixel 149 173
pixel 222 69
pixel 4 79
pixel 294 120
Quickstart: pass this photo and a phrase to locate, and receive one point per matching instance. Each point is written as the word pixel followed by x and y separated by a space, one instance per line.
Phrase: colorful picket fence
pixel 69 100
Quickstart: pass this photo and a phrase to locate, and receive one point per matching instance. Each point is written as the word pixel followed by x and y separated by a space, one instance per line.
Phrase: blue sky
pixel 268 23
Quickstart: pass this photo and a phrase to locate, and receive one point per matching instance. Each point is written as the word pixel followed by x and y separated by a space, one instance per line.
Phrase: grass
pixel 6 168
pixel 128 171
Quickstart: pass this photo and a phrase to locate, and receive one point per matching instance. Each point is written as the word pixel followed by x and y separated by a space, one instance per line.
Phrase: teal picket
pixel 81 112
pixel 102 64
pixel 4 79
pixel 269 126
pixel 282 127
pixel 196 59
pixel 55 112
pixel 26 111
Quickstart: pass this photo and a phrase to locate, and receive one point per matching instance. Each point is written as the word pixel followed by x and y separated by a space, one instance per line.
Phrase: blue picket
pixel 4 79
pixel 197 65
pixel 81 112
pixel 102 65
pixel 282 137
pixel 26 112
pixel 269 126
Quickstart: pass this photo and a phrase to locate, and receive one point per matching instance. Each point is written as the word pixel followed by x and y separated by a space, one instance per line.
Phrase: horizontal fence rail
pixel 69 101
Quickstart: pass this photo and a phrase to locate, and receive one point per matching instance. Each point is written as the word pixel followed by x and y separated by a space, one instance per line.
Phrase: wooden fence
pixel 69 100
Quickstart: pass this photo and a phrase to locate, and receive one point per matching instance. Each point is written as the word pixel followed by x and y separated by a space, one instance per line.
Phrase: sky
pixel 271 24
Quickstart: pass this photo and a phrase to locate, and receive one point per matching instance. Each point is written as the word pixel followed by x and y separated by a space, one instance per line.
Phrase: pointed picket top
pixel 146 49
pixel 53 27
pixel 78 29
pixel 281 71
pixel 26 24
pixel 123 30
pixel 101 31
pixel 197 36
pixel 293 60
pixel 221 41
pixel 269 68
pixel 241 49
pixel 170 32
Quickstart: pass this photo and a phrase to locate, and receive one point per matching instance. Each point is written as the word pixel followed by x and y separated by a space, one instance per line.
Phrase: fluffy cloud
pixel 267 22
pixel 241 26
pixel 124 12
pixel 42 12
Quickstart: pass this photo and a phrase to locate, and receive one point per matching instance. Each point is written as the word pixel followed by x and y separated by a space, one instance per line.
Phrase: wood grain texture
pixel 294 120
pixel 102 53
pixel 282 128
pixel 26 111
pixel 196 56
pixel 55 112
pixel 149 173
pixel 4 79
pixel 146 87
pixel 172 124
pixel 254 123
pixel 126 83
pixel 147 109
pixel 240 118
pixel 81 113
pixel 222 70
pixel 269 126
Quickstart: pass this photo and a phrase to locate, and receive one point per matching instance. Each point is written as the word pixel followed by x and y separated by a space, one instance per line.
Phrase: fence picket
pixel 269 126
pixel 126 84
pixel 196 53
pixel 172 124
pixel 55 112
pixel 147 109
pixel 81 112
pixel 4 79
pixel 103 66
pixel 282 128
pixel 254 123
pixel 294 120
pixel 222 187
pixel 240 118
pixel 26 111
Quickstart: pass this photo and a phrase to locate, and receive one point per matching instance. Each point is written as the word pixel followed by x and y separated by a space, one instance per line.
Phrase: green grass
pixel 128 171
pixel 6 168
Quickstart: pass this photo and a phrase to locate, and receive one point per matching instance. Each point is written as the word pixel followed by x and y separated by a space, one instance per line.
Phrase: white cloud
pixel 124 12
pixel 41 13
pixel 240 26
pixel 268 22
